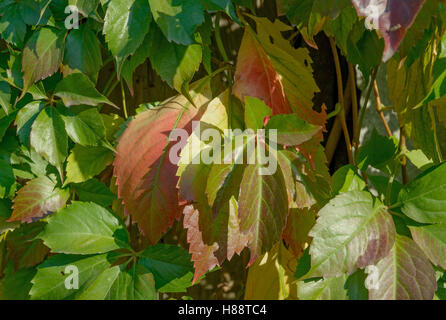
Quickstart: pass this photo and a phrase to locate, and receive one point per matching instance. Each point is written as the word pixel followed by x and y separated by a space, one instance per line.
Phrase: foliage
pixel 89 182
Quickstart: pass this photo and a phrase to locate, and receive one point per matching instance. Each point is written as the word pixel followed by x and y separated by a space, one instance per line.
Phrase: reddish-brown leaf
pixel 145 175
pixel 39 197
pixel 202 255
pixel 256 77
pixel 391 17
pixel 299 224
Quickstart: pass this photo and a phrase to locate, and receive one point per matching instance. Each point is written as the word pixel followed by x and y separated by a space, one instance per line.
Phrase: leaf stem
pixel 341 99
pixel 379 108
pixel 218 39
pixel 403 157
pixel 124 103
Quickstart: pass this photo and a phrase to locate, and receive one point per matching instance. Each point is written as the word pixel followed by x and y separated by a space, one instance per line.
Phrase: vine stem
pixel 379 108
pixel 341 100
pixel 364 107
pixel 218 39
pixel 352 80
pixel 124 103
pixel 403 158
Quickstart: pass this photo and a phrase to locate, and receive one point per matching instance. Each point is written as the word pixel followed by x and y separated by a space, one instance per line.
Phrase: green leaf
pixel 38 198
pixel 49 281
pixel 5 122
pixel 255 113
pixel 49 138
pixel 82 52
pixel 77 89
pixel 424 198
pixel 125 26
pixel 139 57
pixel 7 178
pixel 86 162
pixel 353 231
pixel 5 96
pixel 355 285
pixel 381 184
pixel 12 26
pixel 221 5
pixel 84 228
pixel 379 152
pixel 178 19
pixel 42 55
pixel 404 274
pixel 84 6
pixel 419 159
pixel 16 285
pixel 101 286
pixel 322 289
pixel 176 64
pixel 135 284
pixel 347 179
pixel 432 240
pixel 170 265
pixel 25 119
pixel 263 207
pixel 95 191
pixel 291 130
pixel 84 126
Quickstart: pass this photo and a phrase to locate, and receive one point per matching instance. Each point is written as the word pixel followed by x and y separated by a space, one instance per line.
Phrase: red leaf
pixel 299 224
pixel 145 176
pixel 392 18
pixel 39 197
pixel 256 77
pixel 202 254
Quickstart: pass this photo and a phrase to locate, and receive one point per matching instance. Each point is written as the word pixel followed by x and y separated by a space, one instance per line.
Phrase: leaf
pixel 84 126
pixel 77 89
pixel 404 274
pixel 83 52
pixel 49 281
pixel 298 225
pixel 291 130
pixel 39 197
pixel 42 55
pixel 84 6
pixel 202 254
pixel 271 276
pixel 5 96
pixel 424 198
pixel 7 178
pixel 323 289
pixel 101 286
pixel 125 25
pixel 176 64
pixel 178 19
pixel 255 113
pixel 23 247
pixel 355 285
pixel 135 284
pixel 95 191
pixel 12 26
pixel 48 136
pixel 86 162
pixel 170 266
pixel 391 17
pixel 255 76
pixel 25 119
pixel 263 208
pixel 353 231
pixel 432 240
pixel 84 228
pixel 138 58
pixel 146 180
pixel 347 179
pixel 16 285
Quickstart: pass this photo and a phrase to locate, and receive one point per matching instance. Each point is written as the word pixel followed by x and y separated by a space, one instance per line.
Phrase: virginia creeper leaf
pixel 432 240
pixel 404 274
pixel 38 198
pixel 95 191
pixel 353 231
pixel 84 228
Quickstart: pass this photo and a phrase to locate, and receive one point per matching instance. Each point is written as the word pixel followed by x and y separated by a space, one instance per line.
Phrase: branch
pixel 379 109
